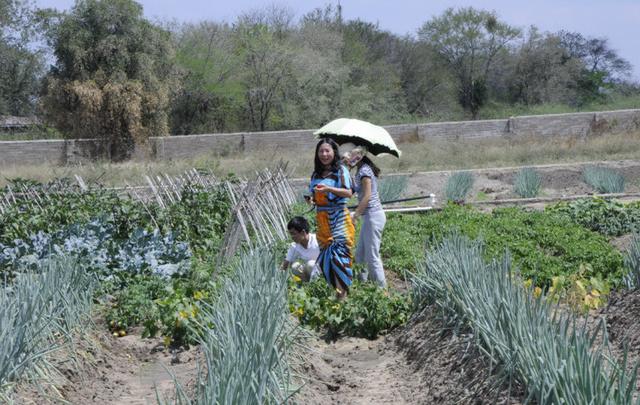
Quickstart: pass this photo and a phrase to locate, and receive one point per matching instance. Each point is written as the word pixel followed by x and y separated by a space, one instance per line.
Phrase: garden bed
pixel 574 250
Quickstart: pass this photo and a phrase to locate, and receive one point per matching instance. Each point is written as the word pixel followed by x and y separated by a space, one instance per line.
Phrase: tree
pixel 373 56
pixel 317 74
pixel 262 40
pixel 113 75
pixel 21 66
pixel 209 99
pixel 596 53
pixel 428 86
pixel 468 42
pixel 602 66
pixel 540 72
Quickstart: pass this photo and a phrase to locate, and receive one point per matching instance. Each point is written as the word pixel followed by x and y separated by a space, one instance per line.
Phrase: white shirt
pixel 297 251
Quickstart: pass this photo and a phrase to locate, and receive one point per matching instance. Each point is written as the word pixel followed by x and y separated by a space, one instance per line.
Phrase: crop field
pixel 171 293
pixel 150 163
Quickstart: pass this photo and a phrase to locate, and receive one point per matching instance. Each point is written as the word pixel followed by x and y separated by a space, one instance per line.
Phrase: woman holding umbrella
pixel 370 210
pixel 330 187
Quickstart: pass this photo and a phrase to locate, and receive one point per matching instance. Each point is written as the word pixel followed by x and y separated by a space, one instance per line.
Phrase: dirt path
pixel 420 363
pixel 358 371
pixel 132 369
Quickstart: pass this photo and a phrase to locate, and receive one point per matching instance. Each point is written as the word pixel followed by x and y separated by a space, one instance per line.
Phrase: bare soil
pixel 421 363
pixel 357 371
pixel 622 316
pixel 558 180
pixel 132 370
pixel 126 370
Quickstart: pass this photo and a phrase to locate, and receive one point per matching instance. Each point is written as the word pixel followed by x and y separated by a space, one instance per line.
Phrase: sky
pixel 616 20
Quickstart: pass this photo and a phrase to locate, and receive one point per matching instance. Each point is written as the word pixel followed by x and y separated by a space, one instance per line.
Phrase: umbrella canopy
pixel 375 138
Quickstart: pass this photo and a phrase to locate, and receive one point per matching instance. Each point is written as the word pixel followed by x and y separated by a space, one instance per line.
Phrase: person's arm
pixel 308 199
pixel 365 189
pixel 344 182
pixel 291 256
pixel 340 192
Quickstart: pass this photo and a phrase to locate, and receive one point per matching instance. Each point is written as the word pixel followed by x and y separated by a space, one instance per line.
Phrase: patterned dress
pixel 335 233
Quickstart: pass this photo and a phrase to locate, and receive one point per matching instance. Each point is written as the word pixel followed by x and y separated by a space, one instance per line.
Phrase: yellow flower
pixel 198 295
pixel 166 341
pixel 298 312
pixel 537 292
pixel 296 279
pixel 592 302
pixel 183 314
pixel 336 307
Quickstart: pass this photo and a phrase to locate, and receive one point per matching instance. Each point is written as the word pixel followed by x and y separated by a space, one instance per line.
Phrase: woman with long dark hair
pixel 330 187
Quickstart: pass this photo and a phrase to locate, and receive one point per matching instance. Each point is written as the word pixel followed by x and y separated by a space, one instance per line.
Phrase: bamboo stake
pixel 155 191
pixel 144 205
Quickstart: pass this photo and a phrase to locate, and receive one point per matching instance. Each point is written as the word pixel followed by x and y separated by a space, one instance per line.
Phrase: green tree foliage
pixel 429 88
pixel 262 39
pixel 540 71
pixel 210 95
pixel 469 42
pixel 372 56
pixel 319 76
pixel 113 75
pixel 602 67
pixel 20 65
pixel 267 72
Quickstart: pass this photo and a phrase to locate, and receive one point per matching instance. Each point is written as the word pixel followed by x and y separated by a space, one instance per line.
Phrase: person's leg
pixel 311 270
pixel 360 249
pixel 297 269
pixel 341 289
pixel 376 221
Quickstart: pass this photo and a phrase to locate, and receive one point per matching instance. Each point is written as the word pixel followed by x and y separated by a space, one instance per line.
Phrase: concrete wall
pixel 463 130
pixel 552 125
pixel 32 152
pixel 273 144
pixel 180 147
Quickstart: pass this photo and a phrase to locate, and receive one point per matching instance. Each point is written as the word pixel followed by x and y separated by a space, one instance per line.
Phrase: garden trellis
pixel 259 210
pixel 260 205
pixel 164 189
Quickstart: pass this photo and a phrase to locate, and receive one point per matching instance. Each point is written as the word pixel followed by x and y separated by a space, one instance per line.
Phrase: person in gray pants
pixel 370 210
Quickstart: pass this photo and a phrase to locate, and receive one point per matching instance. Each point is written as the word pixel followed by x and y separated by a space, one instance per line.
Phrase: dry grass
pixel 522 151
pixel 433 155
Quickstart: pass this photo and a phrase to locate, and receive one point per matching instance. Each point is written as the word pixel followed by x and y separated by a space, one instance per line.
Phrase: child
pixel 303 253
